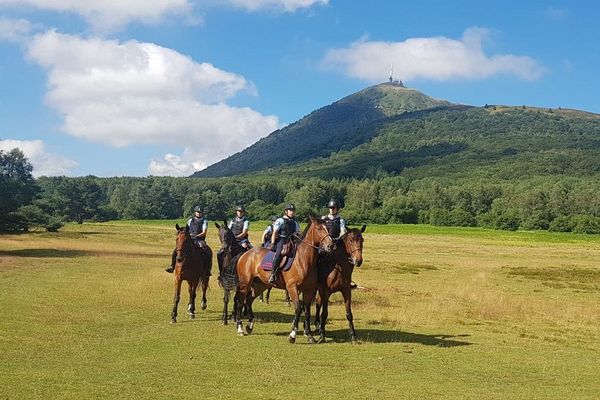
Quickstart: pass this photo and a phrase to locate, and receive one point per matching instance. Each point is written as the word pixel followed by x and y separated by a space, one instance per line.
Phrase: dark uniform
pixel 286 227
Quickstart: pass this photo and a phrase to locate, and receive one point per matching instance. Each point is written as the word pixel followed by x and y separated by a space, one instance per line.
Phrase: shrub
pixel 561 224
pixel 587 224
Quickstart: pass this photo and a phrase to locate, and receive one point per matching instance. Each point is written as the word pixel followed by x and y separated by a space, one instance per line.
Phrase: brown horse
pixel 192 265
pixel 301 278
pixel 335 275
pixel 226 257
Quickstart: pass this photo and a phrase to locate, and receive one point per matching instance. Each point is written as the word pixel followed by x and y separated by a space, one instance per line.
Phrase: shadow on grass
pixel 398 336
pixel 43 253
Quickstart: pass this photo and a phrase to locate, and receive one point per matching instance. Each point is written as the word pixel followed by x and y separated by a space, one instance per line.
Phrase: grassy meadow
pixel 453 313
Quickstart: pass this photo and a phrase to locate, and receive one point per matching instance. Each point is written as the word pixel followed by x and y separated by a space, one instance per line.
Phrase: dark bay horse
pixel 227 257
pixel 192 265
pixel 335 275
pixel 301 278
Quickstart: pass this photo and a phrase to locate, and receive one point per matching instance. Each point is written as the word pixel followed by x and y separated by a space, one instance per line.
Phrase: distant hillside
pixel 494 142
pixel 342 125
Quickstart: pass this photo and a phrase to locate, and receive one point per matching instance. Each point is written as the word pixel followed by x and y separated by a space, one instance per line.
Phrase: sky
pixel 168 87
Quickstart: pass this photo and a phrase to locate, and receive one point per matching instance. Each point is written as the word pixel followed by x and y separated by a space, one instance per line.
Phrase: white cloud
pixel 44 163
pixel 14 30
pixel 555 14
pixel 136 93
pixel 437 58
pixel 174 165
pixel 109 15
pixel 284 5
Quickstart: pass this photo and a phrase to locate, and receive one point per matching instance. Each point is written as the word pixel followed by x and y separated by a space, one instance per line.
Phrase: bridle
pixel 310 244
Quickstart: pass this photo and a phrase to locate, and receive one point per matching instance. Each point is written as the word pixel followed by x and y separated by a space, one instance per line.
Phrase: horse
pixel 335 275
pixel 301 278
pixel 192 265
pixel 230 250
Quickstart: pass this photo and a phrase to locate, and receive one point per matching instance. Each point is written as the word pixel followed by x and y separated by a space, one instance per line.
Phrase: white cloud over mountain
pixel 44 163
pixel 436 58
pixel 133 93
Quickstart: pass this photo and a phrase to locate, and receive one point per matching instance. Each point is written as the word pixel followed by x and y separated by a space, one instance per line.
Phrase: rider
pixel 239 226
pixel 198 226
pixel 336 226
pixel 283 229
pixel 268 233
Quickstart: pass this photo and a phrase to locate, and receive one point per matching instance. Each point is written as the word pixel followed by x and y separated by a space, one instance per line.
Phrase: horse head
pixel 183 234
pixel 226 236
pixel 353 244
pixel 319 235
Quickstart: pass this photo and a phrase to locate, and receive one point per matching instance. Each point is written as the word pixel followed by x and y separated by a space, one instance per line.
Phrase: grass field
pixel 443 313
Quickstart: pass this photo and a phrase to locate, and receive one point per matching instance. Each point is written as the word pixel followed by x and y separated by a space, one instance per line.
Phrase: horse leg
pixel 287 298
pixel 204 288
pixel 348 302
pixel 307 300
pixel 324 314
pixel 268 295
pixel 238 303
pixel 298 311
pixel 176 300
pixel 192 304
pixel 225 305
pixel 249 300
pixel 318 311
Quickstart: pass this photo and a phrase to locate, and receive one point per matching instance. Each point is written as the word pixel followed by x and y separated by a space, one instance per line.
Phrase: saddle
pixel 288 253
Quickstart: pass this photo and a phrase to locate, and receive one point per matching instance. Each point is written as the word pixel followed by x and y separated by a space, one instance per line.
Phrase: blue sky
pixel 166 87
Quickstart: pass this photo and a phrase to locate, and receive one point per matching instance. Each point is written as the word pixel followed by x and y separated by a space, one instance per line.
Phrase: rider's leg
pixel 276 261
pixel 171 267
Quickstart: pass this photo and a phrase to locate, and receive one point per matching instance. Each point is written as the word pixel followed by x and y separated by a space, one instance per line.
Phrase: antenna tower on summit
pixel 392 80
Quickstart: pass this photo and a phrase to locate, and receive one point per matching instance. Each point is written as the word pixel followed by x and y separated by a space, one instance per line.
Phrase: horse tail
pixel 229 276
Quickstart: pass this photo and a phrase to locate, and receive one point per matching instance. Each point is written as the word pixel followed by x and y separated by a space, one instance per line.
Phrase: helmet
pixel 273 217
pixel 240 208
pixel 290 206
pixel 197 209
pixel 333 203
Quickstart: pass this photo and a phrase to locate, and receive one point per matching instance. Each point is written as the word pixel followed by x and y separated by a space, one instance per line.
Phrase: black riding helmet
pixel 240 208
pixel 333 203
pixel 197 209
pixel 290 206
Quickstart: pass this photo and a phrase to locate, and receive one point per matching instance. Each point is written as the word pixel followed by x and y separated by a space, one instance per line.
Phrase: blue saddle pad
pixel 267 262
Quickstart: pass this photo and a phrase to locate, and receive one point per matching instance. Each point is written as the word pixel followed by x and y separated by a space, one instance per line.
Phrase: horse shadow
pixel 399 336
pixel 43 253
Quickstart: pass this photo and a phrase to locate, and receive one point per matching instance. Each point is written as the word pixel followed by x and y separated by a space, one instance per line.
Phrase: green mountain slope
pixel 342 125
pixel 494 142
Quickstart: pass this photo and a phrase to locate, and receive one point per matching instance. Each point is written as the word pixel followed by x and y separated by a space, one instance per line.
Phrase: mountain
pixel 388 129
pixel 342 125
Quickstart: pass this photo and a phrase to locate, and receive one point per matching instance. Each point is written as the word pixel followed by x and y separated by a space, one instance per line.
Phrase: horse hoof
pixel 225 322
pixel 173 321
pixel 353 340
pixel 203 305
pixel 240 331
pixel 248 329
pixel 192 316
pixel 311 340
pixel 291 339
pixel 321 339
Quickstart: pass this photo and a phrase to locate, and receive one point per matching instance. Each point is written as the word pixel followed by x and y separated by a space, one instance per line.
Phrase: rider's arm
pixel 343 228
pixel 276 227
pixel 202 235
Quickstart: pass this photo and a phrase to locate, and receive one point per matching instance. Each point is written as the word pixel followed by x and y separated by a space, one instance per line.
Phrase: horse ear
pixel 362 230
pixel 187 229
pixel 218 226
pixel 224 223
pixel 177 227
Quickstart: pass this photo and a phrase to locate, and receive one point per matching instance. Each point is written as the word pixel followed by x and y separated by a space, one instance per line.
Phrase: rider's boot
pixel 273 277
pixel 171 267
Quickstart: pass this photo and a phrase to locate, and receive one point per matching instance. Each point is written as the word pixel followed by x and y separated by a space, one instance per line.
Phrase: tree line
pixel 566 204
